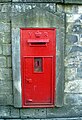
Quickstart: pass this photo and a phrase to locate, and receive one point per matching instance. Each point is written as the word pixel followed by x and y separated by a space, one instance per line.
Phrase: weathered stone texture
pixel 9 64
pixel 2 61
pixel 24 7
pixel 5 1
pixel 40 113
pixel 6 99
pixel 5 37
pixel 43 15
pixel 5 7
pixel 73 86
pixel 4 27
pixel 0 49
pixel 38 1
pixel 73 99
pixel 73 57
pixel 14 112
pixel 6 49
pixel 74 1
pixel 6 87
pixel 65 111
pixel 27 113
pixel 68 8
pixel 5 74
pixel 4 111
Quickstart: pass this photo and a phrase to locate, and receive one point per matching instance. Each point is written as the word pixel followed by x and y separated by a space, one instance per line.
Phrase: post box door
pixel 38 80
pixel 38 68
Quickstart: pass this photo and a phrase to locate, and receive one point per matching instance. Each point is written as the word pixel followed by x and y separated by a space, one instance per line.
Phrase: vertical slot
pixel 38 64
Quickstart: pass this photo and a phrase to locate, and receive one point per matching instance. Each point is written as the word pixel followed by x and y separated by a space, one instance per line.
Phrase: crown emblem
pixel 38 34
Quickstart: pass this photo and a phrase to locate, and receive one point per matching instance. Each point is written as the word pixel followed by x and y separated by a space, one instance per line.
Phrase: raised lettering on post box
pixel 38 66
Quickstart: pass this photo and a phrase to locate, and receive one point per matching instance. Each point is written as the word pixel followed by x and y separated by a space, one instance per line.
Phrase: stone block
pixel 72 61
pixel 40 113
pixel 2 61
pixel 9 61
pixel 71 38
pixel 73 1
pixel 73 99
pixel 4 27
pixel 56 1
pixel 5 74
pixel 79 72
pixel 6 87
pixel 25 7
pixel 14 112
pixel 65 112
pixel 60 8
pixel 79 9
pixel 73 86
pixel 27 113
pixel 4 111
pixel 72 18
pixel 0 49
pixel 6 49
pixel 4 37
pixel 70 73
pixel 5 7
pixel 74 118
pixel 5 17
pixel 6 99
pixel 71 9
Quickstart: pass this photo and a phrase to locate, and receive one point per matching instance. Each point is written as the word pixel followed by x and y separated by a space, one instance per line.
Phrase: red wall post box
pixel 38 66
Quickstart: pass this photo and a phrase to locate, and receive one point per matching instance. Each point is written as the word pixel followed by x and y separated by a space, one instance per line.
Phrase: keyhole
pixel 38 64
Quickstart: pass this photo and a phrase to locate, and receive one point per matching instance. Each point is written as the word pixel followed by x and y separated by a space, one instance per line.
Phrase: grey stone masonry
pixel 55 1
pixel 5 0
pixel 73 1
pixel 66 17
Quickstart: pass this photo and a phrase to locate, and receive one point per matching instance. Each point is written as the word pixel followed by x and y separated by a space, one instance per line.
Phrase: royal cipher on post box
pixel 38 66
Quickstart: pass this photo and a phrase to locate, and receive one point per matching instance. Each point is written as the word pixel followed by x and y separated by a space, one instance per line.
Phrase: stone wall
pixel 69 30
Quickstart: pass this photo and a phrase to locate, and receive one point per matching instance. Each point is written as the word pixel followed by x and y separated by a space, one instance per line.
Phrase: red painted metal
pixel 38 66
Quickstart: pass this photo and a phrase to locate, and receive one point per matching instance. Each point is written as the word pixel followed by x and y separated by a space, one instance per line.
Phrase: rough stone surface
pixel 4 111
pixel 65 111
pixel 4 27
pixel 0 49
pixel 14 113
pixel 38 1
pixel 40 113
pixel 4 37
pixel 6 49
pixel 6 87
pixel 5 7
pixel 67 18
pixel 73 99
pixel 5 74
pixel 9 64
pixel 27 113
pixel 6 99
pixel 2 62
pixel 74 1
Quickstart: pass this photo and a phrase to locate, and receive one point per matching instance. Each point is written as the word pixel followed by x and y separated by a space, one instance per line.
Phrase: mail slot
pixel 38 66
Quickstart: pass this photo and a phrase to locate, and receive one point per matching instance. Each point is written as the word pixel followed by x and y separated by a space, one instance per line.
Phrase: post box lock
pixel 38 66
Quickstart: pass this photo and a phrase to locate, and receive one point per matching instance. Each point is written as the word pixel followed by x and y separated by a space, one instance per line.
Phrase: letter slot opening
pixel 40 42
